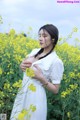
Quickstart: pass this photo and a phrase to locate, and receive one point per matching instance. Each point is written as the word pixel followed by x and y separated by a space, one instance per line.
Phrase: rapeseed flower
pixel 22 114
pixel 18 84
pixel 33 108
pixel 30 72
pixel 0 71
pixel 32 87
pixel 68 114
pixel 26 114
pixel 6 86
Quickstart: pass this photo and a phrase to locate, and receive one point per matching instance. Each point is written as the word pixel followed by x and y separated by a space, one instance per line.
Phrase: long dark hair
pixel 54 33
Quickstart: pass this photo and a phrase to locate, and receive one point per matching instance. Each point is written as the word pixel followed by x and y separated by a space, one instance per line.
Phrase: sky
pixel 22 14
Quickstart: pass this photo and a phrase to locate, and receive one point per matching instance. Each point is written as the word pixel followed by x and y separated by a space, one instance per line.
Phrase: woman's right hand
pixel 25 64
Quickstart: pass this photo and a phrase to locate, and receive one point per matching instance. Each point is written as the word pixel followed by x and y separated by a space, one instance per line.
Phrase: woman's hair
pixel 54 33
pixel 52 30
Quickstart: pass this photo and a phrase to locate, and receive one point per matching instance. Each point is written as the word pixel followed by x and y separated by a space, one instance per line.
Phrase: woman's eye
pixel 44 36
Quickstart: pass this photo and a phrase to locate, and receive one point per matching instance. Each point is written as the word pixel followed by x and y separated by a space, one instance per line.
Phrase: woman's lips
pixel 41 43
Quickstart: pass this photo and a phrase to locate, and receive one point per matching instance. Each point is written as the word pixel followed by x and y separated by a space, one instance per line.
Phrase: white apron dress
pixel 52 68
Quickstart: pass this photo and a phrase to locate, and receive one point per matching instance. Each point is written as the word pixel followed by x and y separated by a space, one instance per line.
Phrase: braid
pixel 41 50
pixel 47 53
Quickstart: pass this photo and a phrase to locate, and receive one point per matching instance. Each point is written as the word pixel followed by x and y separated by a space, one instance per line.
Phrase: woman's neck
pixel 47 49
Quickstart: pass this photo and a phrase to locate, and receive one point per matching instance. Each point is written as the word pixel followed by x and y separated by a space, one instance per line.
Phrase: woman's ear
pixel 53 40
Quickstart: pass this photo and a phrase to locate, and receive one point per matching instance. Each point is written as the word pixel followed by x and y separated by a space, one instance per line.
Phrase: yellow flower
pixel 69 90
pixel 65 93
pixel 78 75
pixel 1 94
pixel 30 72
pixel 22 114
pixel 73 87
pixel 64 76
pixel 32 87
pixel 1 103
pixel 68 114
pixel 75 29
pixel 26 113
pixel 0 71
pixel 33 108
pixel 18 84
pixel 72 74
pixel 6 86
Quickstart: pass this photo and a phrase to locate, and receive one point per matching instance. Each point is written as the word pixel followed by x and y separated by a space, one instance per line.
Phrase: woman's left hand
pixel 38 73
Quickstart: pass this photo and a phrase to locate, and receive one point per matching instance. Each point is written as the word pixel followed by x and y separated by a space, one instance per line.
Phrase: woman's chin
pixel 41 46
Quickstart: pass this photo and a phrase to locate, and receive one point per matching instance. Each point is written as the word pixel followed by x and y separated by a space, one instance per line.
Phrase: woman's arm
pixel 50 86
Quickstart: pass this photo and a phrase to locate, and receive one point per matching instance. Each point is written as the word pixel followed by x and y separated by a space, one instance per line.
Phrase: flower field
pixel 13 49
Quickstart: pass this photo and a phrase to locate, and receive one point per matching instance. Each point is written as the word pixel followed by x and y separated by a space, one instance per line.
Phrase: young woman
pixel 48 71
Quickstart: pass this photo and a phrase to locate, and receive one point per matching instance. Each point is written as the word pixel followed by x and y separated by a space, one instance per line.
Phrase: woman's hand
pixel 39 76
pixel 38 73
pixel 25 64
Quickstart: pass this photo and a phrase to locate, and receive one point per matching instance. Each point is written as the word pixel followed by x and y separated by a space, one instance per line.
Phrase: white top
pixel 51 66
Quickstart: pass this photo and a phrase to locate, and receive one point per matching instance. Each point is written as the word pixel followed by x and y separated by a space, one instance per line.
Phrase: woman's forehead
pixel 43 31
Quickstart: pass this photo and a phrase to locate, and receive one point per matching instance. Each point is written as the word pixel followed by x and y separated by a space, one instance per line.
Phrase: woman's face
pixel 44 39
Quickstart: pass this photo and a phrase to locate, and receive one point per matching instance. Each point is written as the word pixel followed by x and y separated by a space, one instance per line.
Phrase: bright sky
pixel 21 14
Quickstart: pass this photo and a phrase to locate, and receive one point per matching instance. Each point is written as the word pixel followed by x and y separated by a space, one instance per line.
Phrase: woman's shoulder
pixel 56 58
pixel 52 60
pixel 34 51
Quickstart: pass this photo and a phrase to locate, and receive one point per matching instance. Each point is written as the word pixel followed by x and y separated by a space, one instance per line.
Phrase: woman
pixel 48 71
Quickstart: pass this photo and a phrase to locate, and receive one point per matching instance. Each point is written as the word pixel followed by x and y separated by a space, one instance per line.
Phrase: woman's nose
pixel 41 38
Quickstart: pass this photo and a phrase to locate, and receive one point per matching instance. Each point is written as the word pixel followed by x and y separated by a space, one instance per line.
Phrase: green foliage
pixel 66 105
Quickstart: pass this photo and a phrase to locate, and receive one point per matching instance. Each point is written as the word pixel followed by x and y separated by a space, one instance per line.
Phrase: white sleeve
pixel 57 70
